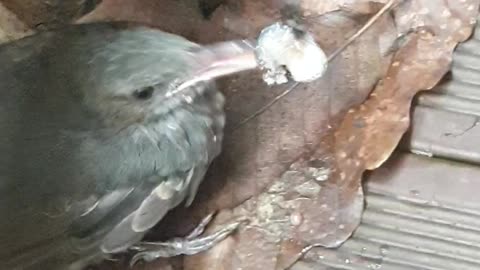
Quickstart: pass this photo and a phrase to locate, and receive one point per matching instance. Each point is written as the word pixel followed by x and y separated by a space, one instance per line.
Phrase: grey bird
pixel 94 149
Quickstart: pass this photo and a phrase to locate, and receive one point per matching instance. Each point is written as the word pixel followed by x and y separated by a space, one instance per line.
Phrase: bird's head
pixel 125 74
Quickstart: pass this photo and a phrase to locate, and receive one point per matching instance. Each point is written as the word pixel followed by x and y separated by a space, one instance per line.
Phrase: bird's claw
pixel 191 244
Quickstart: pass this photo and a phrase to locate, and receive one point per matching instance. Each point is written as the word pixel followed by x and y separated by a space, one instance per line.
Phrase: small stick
pixel 362 30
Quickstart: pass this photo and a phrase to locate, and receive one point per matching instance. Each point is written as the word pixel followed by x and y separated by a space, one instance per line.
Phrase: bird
pixel 93 149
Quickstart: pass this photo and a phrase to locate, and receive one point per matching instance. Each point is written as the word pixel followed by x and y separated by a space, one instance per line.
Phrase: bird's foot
pixel 191 244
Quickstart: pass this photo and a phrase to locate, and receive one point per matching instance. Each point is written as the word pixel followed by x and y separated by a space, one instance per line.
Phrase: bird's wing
pixel 153 208
pixel 160 201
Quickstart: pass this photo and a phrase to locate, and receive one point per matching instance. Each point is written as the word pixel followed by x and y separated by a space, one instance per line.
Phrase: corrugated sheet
pixel 423 209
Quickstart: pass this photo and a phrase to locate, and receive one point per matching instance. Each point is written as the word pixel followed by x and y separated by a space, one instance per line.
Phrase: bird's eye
pixel 144 93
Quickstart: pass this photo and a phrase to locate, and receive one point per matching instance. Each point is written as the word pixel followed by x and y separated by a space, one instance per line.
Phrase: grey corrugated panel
pixel 450 103
pixel 430 185
pixel 471 46
pixel 422 213
pixel 418 226
pixel 442 133
pixel 466 74
pixel 458 89
pixel 463 58
pixel 428 207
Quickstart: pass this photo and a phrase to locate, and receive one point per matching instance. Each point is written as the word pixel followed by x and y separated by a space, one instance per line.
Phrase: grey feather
pixel 82 162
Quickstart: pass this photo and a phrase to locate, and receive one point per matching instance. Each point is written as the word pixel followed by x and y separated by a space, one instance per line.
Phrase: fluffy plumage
pixel 92 153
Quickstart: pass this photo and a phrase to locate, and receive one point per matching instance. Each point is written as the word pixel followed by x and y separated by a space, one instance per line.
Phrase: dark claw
pixel 192 244
pixel 201 226
pixel 141 256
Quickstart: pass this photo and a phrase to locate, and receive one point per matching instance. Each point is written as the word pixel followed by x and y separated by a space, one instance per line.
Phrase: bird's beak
pixel 221 59
pixel 278 50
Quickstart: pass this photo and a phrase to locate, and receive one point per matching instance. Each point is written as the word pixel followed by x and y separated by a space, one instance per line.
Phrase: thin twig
pixel 362 30
pixel 302 254
pixel 267 106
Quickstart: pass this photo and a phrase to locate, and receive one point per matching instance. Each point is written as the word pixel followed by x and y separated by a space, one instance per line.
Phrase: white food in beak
pixel 279 48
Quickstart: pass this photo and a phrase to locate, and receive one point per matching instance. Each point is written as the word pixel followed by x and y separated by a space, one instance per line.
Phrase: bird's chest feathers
pixel 174 143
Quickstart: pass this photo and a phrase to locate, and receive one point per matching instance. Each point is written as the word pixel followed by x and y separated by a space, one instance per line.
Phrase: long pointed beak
pixel 278 50
pixel 221 59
